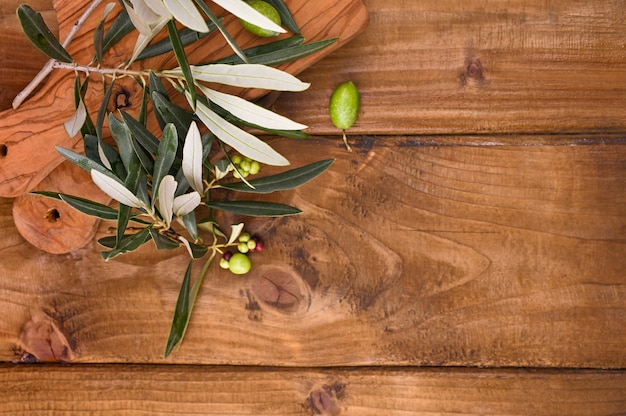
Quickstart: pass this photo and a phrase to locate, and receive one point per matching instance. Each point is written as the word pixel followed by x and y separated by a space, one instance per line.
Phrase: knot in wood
pixel 281 289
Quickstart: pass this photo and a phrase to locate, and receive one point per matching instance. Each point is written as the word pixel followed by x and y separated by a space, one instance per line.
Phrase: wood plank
pixel 186 390
pixel 453 67
pixel 420 254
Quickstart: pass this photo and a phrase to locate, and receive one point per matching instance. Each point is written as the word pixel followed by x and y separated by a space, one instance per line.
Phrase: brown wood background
pixel 468 257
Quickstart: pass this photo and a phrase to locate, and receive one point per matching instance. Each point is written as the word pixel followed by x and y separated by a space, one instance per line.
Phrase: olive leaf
pixel 182 313
pixel 91 208
pixel 285 15
pixel 165 155
pixel 186 13
pixel 121 26
pixel 250 112
pixel 165 198
pixel 40 35
pixel 255 208
pixel 129 243
pixel 280 54
pixel 282 181
pixel 181 58
pixel 74 125
pixel 242 141
pixel 187 36
pixel 115 189
pixel 169 112
pixel 245 76
pixel 192 158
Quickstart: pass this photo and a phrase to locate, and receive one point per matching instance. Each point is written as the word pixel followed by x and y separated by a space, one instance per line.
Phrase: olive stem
pixel 345 140
pixel 49 66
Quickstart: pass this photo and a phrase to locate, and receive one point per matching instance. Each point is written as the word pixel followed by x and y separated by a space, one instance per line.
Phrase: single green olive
pixel 344 106
pixel 266 10
pixel 239 263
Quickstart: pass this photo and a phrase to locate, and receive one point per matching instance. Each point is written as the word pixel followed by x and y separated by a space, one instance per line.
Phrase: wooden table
pixel 468 257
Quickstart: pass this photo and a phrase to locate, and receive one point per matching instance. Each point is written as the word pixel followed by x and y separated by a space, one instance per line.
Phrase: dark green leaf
pixel 122 136
pixel 157 87
pixel 141 134
pixel 39 34
pixel 255 208
pixel 217 22
pixel 91 208
pixel 79 94
pixel 197 251
pixel 282 181
pixel 182 313
pixel 181 57
pixel 285 15
pixel 191 225
pixel 163 242
pixel 187 36
pixel 143 110
pixel 98 41
pixel 282 55
pixel 263 49
pixel 122 25
pixel 102 111
pixel 166 155
pixel 128 243
pixel 83 162
pixel 171 113
pixel 146 159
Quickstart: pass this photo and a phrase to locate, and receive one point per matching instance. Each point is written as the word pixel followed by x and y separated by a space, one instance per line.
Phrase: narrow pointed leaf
pixel 253 52
pixel 246 76
pixel 82 161
pixel 165 197
pixel 282 181
pixel 186 13
pixel 192 158
pixel 40 35
pixel 102 111
pixel 76 122
pixel 250 112
pixel 181 313
pixel 129 243
pixel 141 134
pixel 285 15
pixel 186 203
pixel 162 242
pixel 235 231
pixel 242 141
pixel 191 225
pixel 244 11
pixel 255 208
pixel 122 136
pixel 181 58
pixel 171 113
pixel 91 208
pixel 166 155
pixel 115 189
pixel 121 26
pixel 98 36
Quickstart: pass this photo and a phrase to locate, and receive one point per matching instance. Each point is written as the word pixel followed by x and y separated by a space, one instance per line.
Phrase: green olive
pixel 239 263
pixel 266 10
pixel 344 106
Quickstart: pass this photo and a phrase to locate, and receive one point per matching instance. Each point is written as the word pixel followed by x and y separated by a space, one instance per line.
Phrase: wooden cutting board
pixel 29 134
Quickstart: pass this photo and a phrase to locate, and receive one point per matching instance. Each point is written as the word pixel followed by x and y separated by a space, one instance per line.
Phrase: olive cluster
pixel 244 166
pixel 239 262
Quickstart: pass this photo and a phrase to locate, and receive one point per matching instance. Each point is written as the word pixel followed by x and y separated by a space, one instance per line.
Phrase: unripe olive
pixel 236 159
pixel 344 106
pixel 224 264
pixel 244 237
pixel 266 10
pixel 255 167
pixel 239 263
pixel 243 247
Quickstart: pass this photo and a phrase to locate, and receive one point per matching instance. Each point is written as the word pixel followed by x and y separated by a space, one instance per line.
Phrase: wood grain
pixel 190 390
pixel 456 67
pixel 422 254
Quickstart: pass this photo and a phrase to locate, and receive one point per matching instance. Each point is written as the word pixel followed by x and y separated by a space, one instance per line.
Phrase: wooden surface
pixel 480 222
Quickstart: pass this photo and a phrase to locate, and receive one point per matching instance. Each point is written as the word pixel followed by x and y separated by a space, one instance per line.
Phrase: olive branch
pixel 165 186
